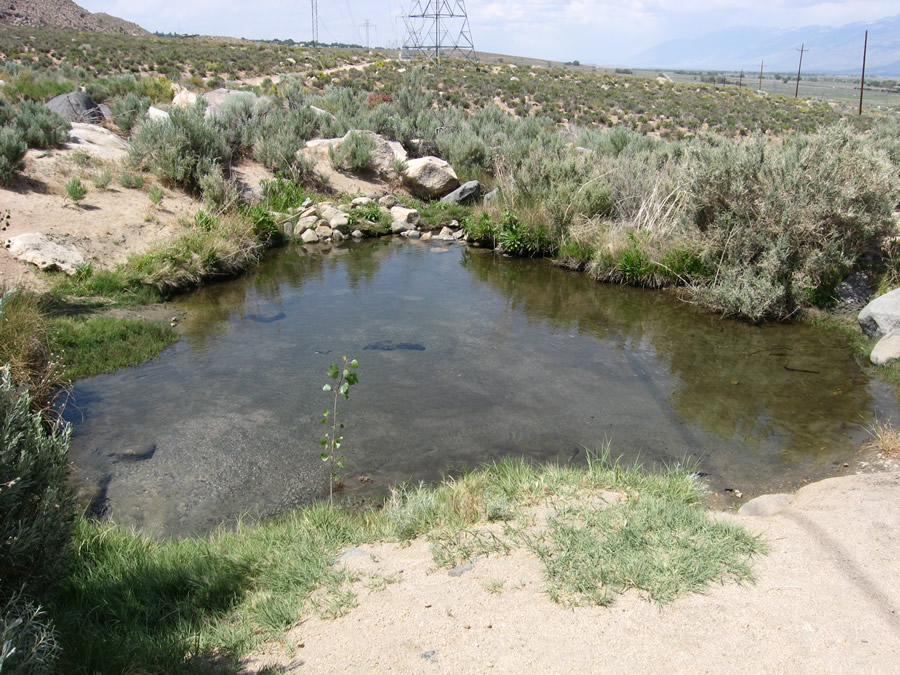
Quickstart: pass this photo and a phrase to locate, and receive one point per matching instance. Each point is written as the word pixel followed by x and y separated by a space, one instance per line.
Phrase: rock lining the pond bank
pixel 766 505
pixel 887 349
pixel 36 248
pixel 882 315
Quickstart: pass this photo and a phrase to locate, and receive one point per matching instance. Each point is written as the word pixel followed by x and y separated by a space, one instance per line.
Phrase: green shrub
pixel 132 181
pixel 12 153
pixel 282 195
pixel 127 110
pixel 102 179
pixel 37 509
pixel 40 126
pixel 354 153
pixel 27 640
pixel 75 189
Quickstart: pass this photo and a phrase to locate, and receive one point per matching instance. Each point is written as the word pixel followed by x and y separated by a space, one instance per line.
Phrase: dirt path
pixel 827 600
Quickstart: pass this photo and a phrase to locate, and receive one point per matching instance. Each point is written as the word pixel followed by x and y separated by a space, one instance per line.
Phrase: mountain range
pixel 63 14
pixel 831 50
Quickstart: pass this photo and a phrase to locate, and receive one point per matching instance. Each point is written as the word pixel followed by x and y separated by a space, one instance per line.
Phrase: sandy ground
pixel 827 599
pixel 106 226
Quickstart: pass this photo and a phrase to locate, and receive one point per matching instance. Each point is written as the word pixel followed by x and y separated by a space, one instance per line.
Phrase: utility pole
pixel 761 64
pixel 801 50
pixel 741 81
pixel 367 25
pixel 315 22
pixel 862 80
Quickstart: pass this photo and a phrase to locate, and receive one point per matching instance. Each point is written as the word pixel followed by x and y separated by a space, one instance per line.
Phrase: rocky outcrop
pixel 97 140
pixel 37 249
pixel 429 177
pixel 882 315
pixel 386 156
pixel 64 14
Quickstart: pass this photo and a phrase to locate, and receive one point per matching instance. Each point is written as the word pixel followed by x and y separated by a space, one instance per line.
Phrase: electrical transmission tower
pixel 436 27
pixel 315 22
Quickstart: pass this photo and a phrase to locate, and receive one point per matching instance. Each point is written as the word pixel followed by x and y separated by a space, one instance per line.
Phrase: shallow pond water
pixel 464 357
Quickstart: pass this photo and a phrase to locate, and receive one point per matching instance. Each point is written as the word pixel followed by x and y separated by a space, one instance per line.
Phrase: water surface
pixel 464 357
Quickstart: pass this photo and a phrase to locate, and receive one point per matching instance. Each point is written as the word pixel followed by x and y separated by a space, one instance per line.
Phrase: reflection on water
pixel 512 357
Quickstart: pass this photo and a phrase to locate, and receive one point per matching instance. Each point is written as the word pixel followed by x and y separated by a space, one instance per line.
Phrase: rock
pixel 429 177
pixel 491 196
pixel 445 232
pixel 36 248
pixel 464 193
pixel 322 113
pixel 356 234
pixel 426 236
pixel 337 236
pixel 96 140
pixel 184 99
pixel 157 114
pixel 409 216
pixel 305 224
pixel 309 237
pixel 853 292
pixel 219 97
pixel 385 155
pixel 306 212
pixel 399 226
pixel 766 505
pixel 324 231
pixel 329 213
pixel 340 222
pixel 887 349
pixel 459 234
pixel 413 234
pixel 461 569
pixel 362 201
pixel 388 201
pixel 306 202
pixel 349 554
pixel 76 106
pixel 882 315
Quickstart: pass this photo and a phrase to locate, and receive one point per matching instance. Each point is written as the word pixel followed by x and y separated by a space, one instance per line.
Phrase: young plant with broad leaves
pixel 331 442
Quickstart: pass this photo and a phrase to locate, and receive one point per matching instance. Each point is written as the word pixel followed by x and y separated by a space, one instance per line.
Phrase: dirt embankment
pixel 827 599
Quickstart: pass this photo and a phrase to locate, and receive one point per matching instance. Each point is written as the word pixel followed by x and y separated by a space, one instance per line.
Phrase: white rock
pixel 446 232
pixel 356 234
pixel 887 349
pixel 388 201
pixel 400 226
pixel 410 216
pixel 96 140
pixel 309 237
pixel 882 315
pixel 184 99
pixel 362 201
pixel 157 114
pixel 429 177
pixel 324 231
pixel 35 248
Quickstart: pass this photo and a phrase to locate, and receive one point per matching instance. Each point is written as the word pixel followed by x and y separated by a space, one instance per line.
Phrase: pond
pixel 465 357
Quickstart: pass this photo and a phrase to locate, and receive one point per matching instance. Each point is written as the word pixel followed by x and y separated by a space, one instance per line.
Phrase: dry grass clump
pixel 885 440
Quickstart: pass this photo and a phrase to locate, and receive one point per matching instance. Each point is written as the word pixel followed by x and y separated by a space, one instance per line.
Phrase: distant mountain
pixel 831 50
pixel 63 14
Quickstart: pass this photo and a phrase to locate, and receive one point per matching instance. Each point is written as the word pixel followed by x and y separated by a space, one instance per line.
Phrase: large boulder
pixel 882 315
pixel 36 248
pixel 386 155
pixel 184 99
pixel 886 350
pixel 76 106
pixel 429 177
pixel 464 193
pixel 97 140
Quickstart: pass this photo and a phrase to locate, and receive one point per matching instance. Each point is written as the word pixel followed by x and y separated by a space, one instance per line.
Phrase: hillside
pixel 831 49
pixel 63 14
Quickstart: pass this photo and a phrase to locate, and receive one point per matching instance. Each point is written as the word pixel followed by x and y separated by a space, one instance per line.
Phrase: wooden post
pixel 761 64
pixel 862 80
pixel 801 50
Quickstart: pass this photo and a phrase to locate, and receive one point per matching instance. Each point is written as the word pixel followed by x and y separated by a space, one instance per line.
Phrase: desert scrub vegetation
pixel 37 516
pixel 26 125
pixel 134 603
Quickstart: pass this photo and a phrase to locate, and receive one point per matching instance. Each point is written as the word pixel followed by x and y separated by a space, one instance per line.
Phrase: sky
pixel 600 32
